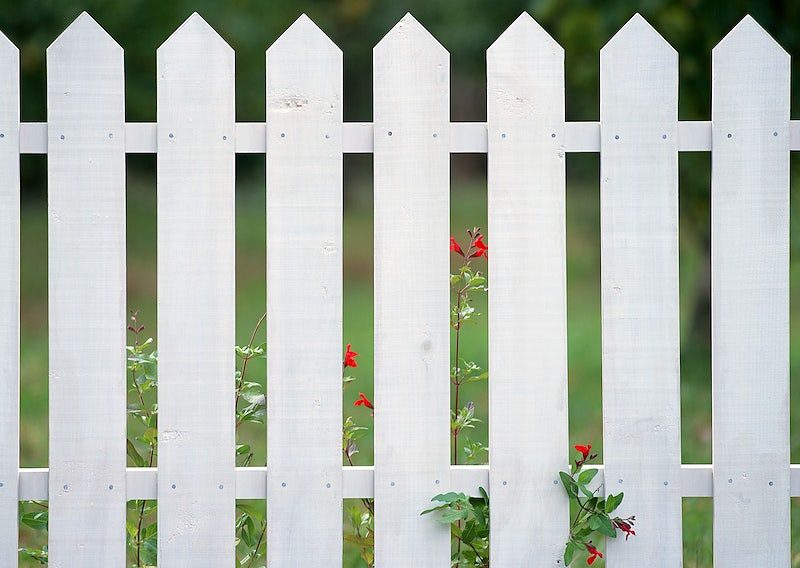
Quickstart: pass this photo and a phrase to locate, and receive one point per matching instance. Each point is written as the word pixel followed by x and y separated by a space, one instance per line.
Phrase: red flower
pixel 362 400
pixel 594 554
pixel 626 526
pixel 350 357
pixel 455 247
pixel 584 450
pixel 480 246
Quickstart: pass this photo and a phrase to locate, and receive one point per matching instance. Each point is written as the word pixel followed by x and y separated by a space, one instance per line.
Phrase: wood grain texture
pixel 528 430
pixel 196 288
pixel 86 275
pixel 750 298
pixel 412 344
pixel 639 279
pixel 9 300
pixel 304 298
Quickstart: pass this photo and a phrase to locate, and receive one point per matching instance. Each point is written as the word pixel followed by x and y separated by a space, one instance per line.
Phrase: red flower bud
pixel 626 526
pixel 350 357
pixel 480 246
pixel 584 450
pixel 594 554
pixel 362 400
pixel 455 247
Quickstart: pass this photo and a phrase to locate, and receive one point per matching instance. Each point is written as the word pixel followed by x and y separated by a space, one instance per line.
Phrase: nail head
pixel 616 136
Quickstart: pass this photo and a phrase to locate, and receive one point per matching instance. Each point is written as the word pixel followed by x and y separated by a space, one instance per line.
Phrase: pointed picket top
pixel 303 32
pixel 637 34
pixel 7 47
pixel 409 33
pixel 527 32
pixel 84 34
pixel 748 36
pixel 194 32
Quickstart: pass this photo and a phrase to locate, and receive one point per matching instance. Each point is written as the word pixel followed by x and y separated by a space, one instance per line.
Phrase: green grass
pixel 468 209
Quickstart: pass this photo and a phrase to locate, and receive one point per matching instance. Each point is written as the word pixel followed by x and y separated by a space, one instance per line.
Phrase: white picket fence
pixel 526 138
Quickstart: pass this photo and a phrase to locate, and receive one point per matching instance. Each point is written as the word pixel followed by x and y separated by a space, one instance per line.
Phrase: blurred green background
pixel 466 28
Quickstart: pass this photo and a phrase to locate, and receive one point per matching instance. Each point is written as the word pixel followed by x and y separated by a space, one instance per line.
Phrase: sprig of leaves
pixel 468 518
pixel 593 513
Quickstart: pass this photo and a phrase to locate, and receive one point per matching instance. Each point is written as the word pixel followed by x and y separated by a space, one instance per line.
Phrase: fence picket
pixel 527 296
pixel 86 273
pixel 411 73
pixel 304 297
pixel 750 298
pixel 639 245
pixel 196 286
pixel 9 300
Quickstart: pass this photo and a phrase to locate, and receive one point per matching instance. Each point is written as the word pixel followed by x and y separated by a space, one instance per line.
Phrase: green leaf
pixel 569 553
pixel 569 484
pixel 135 456
pixel 613 501
pixel 605 527
pixel 586 476
pixel 36 520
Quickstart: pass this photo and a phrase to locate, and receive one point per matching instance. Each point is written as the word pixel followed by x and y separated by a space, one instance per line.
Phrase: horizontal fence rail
pixel 358 137
pixel 304 137
pixel 696 480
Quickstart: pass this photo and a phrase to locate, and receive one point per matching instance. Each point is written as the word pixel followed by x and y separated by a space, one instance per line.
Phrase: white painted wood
pixel 86 275
pixel 9 300
pixel 196 304
pixel 750 298
pixel 411 73
pixel 357 482
pixel 304 298
pixel 465 137
pixel 528 422
pixel 639 281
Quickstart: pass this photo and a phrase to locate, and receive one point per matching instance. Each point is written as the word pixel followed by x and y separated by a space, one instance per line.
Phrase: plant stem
pixel 141 515
pixel 258 545
pixel 245 360
pixel 456 381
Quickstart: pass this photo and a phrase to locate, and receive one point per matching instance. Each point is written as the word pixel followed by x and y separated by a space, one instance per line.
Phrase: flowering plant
pixel 593 514
pixel 468 516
